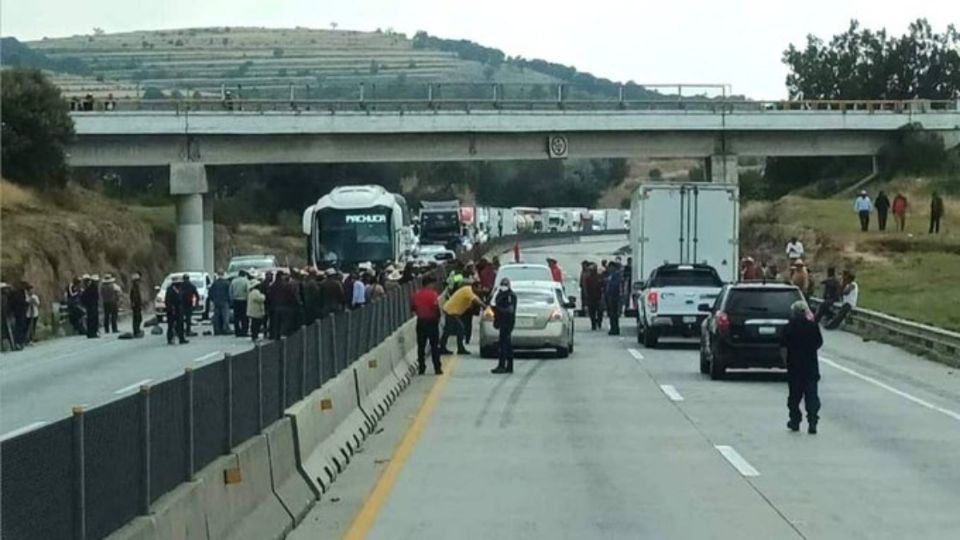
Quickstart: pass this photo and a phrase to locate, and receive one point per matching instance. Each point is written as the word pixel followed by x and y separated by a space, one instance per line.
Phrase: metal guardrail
pixel 935 343
pixel 495 96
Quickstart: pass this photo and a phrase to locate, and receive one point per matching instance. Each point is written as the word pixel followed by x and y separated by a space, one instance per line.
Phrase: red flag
pixel 516 252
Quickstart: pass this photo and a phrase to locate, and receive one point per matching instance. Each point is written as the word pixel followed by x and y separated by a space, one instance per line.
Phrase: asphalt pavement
pixel 619 441
pixel 41 383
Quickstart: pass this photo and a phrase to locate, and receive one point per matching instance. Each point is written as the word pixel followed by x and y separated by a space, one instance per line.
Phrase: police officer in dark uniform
pixel 173 302
pixel 801 339
pixel 90 298
pixel 189 297
pixel 505 318
pixel 136 304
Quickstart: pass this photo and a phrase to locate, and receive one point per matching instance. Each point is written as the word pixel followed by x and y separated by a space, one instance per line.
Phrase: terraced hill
pixel 266 62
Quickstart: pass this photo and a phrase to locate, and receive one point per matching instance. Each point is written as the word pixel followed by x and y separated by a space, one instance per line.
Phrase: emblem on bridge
pixel 557 146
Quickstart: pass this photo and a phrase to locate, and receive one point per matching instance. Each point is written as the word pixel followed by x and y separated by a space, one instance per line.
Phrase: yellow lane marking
pixel 371 507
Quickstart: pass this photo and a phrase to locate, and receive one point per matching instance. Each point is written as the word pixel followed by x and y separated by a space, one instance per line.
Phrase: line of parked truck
pixel 367 223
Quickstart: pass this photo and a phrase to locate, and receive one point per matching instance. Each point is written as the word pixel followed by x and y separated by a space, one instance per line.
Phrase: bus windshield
pixel 354 236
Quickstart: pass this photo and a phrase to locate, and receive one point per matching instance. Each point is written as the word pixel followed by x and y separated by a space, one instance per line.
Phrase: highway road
pixel 619 441
pixel 41 383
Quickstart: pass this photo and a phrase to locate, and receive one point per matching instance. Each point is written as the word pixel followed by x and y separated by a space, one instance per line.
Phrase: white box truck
pixel 685 223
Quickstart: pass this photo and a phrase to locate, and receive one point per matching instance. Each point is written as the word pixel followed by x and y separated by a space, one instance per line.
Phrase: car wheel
pixel 650 338
pixel 562 352
pixel 704 365
pixel 717 369
pixel 488 352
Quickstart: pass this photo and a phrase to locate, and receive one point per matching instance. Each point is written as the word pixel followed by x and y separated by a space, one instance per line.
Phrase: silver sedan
pixel 544 321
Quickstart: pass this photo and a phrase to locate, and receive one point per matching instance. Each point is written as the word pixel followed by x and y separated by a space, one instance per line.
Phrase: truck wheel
pixel 650 338
pixel 717 369
pixel 704 365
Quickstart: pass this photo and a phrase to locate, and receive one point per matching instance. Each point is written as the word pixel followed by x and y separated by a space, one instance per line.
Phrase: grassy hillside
pixel 267 61
pixel 911 274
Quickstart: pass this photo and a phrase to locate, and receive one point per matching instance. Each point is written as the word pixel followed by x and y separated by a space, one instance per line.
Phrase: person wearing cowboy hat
pixel 173 302
pixel 332 297
pixel 256 309
pixel 90 299
pixel 110 299
pixel 862 206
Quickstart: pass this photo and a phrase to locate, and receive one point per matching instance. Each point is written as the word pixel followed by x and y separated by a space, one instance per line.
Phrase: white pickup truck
pixel 670 300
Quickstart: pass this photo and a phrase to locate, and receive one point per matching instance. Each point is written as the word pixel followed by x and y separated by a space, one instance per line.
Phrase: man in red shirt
pixel 425 304
pixel 555 270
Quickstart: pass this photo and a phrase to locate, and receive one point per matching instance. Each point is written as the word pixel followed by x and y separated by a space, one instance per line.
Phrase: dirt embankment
pixel 47 240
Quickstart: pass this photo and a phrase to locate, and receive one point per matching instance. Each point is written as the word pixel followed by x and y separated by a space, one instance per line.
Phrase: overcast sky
pixel 665 41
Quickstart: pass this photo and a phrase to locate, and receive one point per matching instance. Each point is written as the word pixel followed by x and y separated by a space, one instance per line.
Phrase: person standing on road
pixel 332 298
pixel 136 304
pixel 219 295
pixel 33 314
pixel 256 308
pixel 862 206
pixel 801 339
pixel 900 211
pixel 794 249
pixel 110 298
pixel 74 310
pixel 593 296
pixel 882 204
pixel 831 294
pixel 189 298
pixel 555 270
pixel 239 291
pixel 612 292
pixel 90 298
pixel 174 305
pixel 312 299
pixel 936 212
pixel 800 278
pixel 425 304
pixel 504 319
pixel 6 332
pixel 358 292
pixel 461 301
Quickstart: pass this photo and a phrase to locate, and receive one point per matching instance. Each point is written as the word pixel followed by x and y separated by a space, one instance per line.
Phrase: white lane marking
pixel 736 460
pixel 133 386
pixel 671 392
pixel 635 353
pixel 909 397
pixel 21 430
pixel 214 355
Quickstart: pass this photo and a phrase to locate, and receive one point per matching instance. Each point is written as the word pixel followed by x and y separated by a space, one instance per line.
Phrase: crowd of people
pixel 864 207
pixel 603 289
pixel 20 306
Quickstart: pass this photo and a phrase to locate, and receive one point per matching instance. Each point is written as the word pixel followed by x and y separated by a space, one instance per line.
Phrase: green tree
pixel 866 64
pixel 36 128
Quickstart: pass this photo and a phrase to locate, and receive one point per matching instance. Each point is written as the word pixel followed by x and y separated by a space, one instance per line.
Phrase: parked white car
pixel 544 321
pixel 200 280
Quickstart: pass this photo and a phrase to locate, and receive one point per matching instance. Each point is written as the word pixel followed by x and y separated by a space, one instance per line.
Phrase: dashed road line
pixel 133 386
pixel 735 459
pixel 671 392
pixel 909 397
pixel 21 430
pixel 636 354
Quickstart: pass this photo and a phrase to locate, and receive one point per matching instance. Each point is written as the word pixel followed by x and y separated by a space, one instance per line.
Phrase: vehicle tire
pixel 717 369
pixel 650 338
pixel 562 352
pixel 704 365
pixel 488 352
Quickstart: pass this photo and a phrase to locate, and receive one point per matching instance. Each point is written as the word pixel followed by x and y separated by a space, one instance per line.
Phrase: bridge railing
pixel 87 475
pixel 497 96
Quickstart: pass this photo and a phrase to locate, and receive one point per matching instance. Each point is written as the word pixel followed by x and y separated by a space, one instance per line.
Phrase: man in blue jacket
pixel 220 298
pixel 612 293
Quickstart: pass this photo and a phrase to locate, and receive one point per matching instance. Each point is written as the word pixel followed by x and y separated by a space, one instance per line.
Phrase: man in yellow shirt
pixel 460 303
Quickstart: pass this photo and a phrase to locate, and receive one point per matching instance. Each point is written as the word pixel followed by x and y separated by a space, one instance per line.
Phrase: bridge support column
pixel 188 181
pixel 722 169
pixel 209 254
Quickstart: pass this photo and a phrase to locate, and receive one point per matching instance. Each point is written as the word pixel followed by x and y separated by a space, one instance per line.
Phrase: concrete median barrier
pixel 237 495
pixel 179 514
pixel 289 484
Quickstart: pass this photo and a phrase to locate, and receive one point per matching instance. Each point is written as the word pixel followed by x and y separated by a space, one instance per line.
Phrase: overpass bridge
pixel 189 135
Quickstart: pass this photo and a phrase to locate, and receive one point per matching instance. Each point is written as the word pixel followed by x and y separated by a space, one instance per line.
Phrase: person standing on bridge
pixel 882 204
pixel 504 319
pixel 239 291
pixel 801 339
pixel 900 211
pixel 862 206
pixel 90 298
pixel 936 212
pixel 136 304
pixel 425 304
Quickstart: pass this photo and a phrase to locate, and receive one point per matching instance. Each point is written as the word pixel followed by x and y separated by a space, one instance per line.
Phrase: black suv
pixel 744 327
